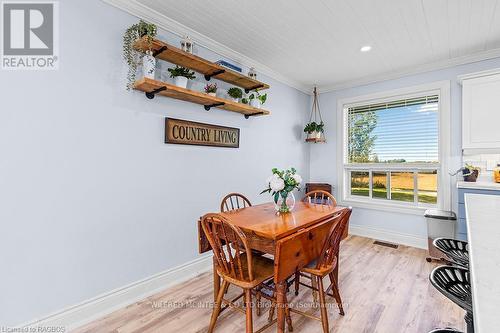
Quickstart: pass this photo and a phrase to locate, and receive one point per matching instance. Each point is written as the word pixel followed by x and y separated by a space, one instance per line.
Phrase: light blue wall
pixel 91 199
pixel 324 157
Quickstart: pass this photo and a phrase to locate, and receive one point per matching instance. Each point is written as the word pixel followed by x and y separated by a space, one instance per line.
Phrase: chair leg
pixel 322 303
pixel 248 309
pixel 336 293
pixel 216 280
pixel 217 307
pixel 272 308
pixel 287 316
pixel 314 284
pixel 258 300
pixel 297 283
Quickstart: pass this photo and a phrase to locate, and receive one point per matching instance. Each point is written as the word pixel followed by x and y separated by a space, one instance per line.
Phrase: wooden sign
pixel 185 132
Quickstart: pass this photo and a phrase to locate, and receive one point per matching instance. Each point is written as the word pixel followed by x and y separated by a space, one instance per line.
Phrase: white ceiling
pixel 318 41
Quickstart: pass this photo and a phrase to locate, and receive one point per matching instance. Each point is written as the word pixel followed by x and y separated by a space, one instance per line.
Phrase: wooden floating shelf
pixel 153 87
pixel 167 52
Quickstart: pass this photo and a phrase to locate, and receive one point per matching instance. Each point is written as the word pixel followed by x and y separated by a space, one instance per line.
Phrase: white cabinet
pixel 481 113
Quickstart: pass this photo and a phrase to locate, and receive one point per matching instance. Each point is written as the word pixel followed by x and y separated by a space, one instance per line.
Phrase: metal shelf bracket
pixel 151 94
pixel 209 76
pixel 160 50
pixel 254 87
pixel 253 114
pixel 207 107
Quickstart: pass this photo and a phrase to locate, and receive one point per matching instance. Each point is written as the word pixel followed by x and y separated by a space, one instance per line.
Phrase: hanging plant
pixel 131 56
pixel 315 129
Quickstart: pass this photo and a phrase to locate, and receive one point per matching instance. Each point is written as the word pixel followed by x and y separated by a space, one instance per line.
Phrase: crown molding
pixel 475 75
pixel 165 23
pixel 429 67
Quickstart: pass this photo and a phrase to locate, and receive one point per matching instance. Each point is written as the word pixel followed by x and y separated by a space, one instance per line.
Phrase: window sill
pixel 388 207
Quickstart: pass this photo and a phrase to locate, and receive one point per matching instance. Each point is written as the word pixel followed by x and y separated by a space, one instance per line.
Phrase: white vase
pixel 318 135
pixel 148 65
pixel 255 103
pixel 212 94
pixel 181 81
pixel 236 100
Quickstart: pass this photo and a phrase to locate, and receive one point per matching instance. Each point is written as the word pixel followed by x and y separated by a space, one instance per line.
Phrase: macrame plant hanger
pixel 316 136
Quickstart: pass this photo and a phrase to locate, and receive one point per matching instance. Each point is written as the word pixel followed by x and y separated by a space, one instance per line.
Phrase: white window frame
pixel 440 88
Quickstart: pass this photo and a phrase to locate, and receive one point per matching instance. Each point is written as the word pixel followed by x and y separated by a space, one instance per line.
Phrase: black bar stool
pixel 454 283
pixel 445 330
pixel 456 250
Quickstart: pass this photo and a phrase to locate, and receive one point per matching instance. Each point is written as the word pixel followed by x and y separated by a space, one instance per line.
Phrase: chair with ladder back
pixel 318 197
pixel 324 265
pixel 236 265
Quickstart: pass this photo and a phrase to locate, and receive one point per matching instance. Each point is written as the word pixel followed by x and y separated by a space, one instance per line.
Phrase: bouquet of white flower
pixel 280 185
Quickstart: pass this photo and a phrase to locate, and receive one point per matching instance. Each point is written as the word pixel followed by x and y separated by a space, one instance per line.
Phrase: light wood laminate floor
pixel 384 290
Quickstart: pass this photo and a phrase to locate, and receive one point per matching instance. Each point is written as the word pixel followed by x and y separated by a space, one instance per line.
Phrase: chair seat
pixel 455 249
pixel 263 270
pixel 454 283
pixel 445 330
pixel 323 271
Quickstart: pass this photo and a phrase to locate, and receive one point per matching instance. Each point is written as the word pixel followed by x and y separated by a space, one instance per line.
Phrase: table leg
pixel 280 300
pixel 216 280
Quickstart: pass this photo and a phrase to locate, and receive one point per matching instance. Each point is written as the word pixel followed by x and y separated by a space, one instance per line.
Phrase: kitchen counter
pixel 483 217
pixel 480 185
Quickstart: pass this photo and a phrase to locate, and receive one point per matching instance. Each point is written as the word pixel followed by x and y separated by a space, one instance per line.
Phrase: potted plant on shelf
pixel 181 75
pixel 257 100
pixel 280 185
pixel 134 58
pixel 235 93
pixel 314 130
pixel 211 89
pixel 470 173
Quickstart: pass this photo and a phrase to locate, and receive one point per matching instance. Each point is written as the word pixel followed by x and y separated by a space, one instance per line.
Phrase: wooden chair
pixel 236 265
pixel 318 197
pixel 325 265
pixel 234 201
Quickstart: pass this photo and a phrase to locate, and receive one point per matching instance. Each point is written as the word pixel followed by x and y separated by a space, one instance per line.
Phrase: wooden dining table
pixel 294 239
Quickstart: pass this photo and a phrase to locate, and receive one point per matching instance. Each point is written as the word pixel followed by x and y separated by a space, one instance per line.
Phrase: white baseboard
pixel 97 307
pixel 388 236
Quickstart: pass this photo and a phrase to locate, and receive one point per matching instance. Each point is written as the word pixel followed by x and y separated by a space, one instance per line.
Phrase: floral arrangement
pixel 280 184
pixel 211 88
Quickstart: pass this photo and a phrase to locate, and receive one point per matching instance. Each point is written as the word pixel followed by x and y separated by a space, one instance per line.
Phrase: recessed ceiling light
pixel 366 48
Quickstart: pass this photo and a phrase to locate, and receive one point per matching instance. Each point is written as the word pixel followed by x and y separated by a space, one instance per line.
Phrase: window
pixel 394 149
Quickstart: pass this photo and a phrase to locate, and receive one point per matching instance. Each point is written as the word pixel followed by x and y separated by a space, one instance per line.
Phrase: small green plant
pixel 262 98
pixel 181 71
pixel 131 56
pixel 235 92
pixel 211 88
pixel 244 100
pixel 314 127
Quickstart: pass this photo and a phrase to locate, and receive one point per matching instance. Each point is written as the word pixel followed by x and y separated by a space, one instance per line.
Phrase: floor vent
pixel 394 246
